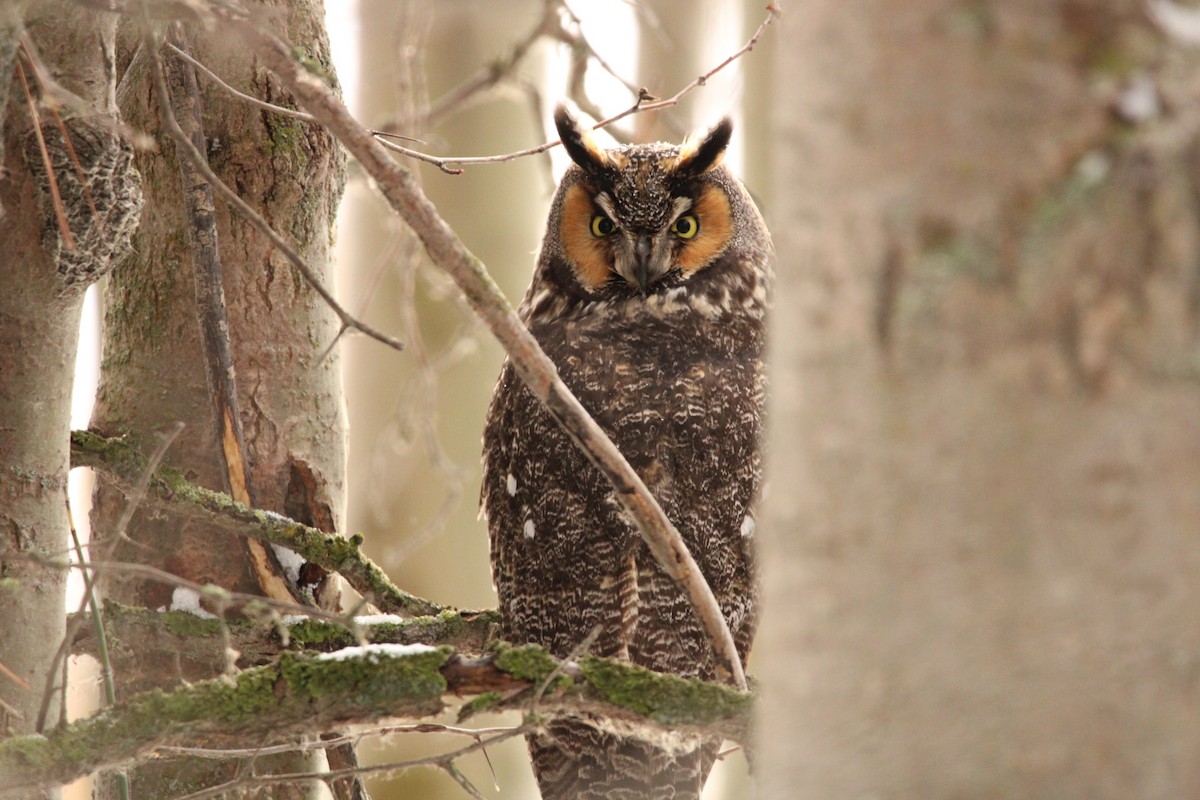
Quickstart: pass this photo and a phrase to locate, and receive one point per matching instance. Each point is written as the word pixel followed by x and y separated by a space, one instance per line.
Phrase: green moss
pixel 529 662
pixel 666 699
pixel 313 65
pixel 448 626
pixel 285 140
pixel 182 623
pixel 376 679
pixel 290 692
pixel 28 750
pixel 319 634
pixel 482 703
pixel 116 453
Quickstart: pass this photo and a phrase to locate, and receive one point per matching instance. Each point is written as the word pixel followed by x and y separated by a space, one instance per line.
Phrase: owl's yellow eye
pixel 602 226
pixel 686 227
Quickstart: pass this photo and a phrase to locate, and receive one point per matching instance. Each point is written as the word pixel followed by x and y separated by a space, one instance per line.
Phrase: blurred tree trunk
pixel 91 191
pixel 153 373
pixel 982 570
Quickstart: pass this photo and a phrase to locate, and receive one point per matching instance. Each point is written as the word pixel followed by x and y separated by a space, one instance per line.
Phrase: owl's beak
pixel 642 250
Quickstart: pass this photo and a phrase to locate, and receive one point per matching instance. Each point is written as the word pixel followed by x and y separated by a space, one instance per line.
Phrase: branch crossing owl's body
pixel 649 296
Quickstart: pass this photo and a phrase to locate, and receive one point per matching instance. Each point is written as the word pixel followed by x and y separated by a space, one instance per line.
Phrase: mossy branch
pixel 303 693
pixel 172 493
pixel 139 640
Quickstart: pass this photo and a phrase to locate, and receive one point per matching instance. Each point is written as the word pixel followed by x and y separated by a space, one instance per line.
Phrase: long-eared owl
pixel 649 295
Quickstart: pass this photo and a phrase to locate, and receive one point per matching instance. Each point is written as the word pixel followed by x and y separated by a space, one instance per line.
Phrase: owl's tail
pixel 574 760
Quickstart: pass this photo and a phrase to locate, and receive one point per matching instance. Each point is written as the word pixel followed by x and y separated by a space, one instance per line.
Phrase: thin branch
pixel 171 493
pixel 329 777
pixel 231 197
pixel 248 98
pixel 577 38
pixel 646 101
pixel 223 753
pixel 443 162
pixel 64 229
pixel 538 372
pixel 264 633
pixel 495 72
pixel 218 595
pixel 106 669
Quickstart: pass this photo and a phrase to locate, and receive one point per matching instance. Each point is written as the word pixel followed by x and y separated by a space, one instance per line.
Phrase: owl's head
pixel 642 219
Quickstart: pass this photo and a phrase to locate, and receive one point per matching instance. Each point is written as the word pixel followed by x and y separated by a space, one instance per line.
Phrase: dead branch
pixel 170 493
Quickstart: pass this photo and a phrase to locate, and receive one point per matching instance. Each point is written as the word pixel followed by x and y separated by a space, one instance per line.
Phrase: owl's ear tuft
pixel 578 141
pixel 699 154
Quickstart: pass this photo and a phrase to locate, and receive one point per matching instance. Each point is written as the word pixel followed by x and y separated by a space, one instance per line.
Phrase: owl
pixel 649 295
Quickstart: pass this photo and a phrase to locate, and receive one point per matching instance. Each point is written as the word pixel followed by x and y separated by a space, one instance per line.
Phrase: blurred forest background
pixel 981 566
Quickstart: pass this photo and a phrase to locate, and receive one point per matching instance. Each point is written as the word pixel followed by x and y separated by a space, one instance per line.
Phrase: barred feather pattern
pixel 674 376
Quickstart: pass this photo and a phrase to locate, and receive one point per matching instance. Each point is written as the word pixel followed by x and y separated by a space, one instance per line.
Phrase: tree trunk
pixel 288 388
pixel 61 229
pixel 980 539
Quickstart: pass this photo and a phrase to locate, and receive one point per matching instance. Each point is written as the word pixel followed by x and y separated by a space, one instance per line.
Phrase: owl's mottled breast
pixel 649 295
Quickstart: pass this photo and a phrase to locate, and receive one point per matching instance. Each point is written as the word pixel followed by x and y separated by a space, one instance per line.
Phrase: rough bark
pixel 980 550
pixel 153 373
pixel 69 199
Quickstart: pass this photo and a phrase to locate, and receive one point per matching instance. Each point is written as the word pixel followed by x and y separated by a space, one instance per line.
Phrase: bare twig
pixel 249 98
pixel 14 677
pixel 64 229
pixel 578 650
pixel 446 250
pixel 329 777
pixel 171 493
pixel 444 162
pixel 495 72
pixel 350 738
pixel 230 599
pixel 646 101
pixel 106 669
pixel 419 401
pixel 577 38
